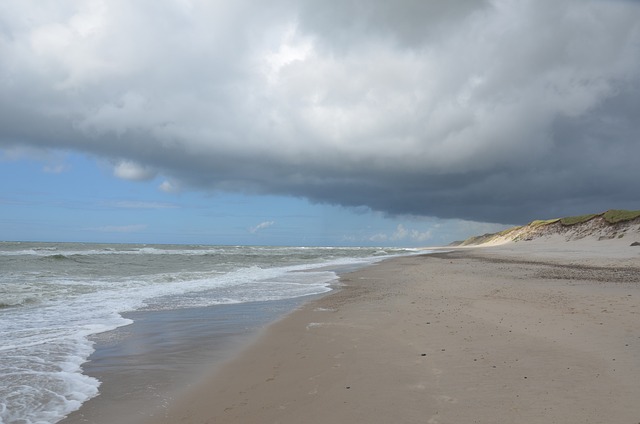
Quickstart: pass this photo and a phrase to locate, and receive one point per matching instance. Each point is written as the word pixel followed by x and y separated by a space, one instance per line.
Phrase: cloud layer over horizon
pixel 495 111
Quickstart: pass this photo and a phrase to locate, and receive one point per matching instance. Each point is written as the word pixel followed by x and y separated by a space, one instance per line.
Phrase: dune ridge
pixel 612 224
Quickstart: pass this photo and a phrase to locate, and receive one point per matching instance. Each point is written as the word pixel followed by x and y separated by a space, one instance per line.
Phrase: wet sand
pixel 501 335
pixel 144 365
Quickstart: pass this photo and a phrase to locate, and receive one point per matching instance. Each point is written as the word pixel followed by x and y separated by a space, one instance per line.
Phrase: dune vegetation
pixel 610 218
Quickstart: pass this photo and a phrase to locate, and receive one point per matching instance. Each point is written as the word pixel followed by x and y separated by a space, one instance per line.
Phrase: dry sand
pixel 523 333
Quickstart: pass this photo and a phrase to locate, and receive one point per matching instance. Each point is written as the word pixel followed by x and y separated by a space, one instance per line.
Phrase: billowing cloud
pixel 402 234
pixel 128 170
pixel 169 186
pixel 261 226
pixel 498 111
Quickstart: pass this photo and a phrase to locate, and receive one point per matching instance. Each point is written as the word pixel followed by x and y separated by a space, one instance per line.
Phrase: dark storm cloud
pixel 499 111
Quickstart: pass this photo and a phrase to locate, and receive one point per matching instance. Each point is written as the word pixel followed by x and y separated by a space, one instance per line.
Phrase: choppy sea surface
pixel 55 296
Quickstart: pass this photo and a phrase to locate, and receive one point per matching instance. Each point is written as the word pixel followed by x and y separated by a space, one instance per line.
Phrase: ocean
pixel 56 299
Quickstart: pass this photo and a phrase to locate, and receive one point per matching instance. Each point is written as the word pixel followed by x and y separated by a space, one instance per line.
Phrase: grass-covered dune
pixel 613 223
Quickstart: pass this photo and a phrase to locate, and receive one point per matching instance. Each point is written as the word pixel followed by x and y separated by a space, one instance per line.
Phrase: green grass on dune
pixel 617 215
pixel 573 220
pixel 539 222
pixel 612 216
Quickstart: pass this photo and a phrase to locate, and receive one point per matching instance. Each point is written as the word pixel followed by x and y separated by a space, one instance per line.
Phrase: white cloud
pixel 421 236
pixel 402 234
pixel 170 186
pixel 128 170
pixel 261 226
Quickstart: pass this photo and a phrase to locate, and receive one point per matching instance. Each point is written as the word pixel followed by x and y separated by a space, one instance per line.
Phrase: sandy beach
pixel 536 332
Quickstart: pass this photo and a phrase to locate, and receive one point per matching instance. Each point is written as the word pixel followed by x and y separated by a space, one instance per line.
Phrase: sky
pixel 405 123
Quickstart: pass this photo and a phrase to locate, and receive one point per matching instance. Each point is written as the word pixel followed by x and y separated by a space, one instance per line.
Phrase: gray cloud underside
pixel 499 111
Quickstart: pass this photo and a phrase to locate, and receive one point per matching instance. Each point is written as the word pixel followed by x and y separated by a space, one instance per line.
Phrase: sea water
pixel 55 296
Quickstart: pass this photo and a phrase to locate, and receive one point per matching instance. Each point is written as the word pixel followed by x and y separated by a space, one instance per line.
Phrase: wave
pixel 58 257
pixel 196 250
pixel 18 302
pixel 112 251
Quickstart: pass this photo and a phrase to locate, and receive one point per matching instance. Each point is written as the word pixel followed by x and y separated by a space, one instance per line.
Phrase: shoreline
pixel 476 335
pixel 144 365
